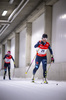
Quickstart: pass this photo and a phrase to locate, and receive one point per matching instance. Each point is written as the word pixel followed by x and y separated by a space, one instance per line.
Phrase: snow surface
pixel 24 89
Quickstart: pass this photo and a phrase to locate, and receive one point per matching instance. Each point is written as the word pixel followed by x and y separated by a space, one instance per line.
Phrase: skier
pixel 7 58
pixel 41 56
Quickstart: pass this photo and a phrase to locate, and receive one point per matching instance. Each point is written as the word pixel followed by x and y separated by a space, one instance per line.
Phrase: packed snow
pixel 24 89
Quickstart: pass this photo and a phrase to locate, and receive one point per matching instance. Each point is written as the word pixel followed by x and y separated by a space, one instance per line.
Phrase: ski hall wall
pixel 58 69
pixel 37 31
pixel 1 66
pixel 0 57
pixel 22 47
pixel 20 72
pixel 59 31
pixel 6 48
pixel 38 27
pixel 12 51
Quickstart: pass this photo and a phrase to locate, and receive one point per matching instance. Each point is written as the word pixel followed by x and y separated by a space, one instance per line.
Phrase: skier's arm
pixel 51 52
pixel 14 62
pixel 37 44
pixel 13 59
pixel 4 57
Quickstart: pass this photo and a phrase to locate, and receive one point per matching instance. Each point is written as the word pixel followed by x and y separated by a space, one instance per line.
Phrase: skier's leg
pixel 37 63
pixel 5 70
pixel 44 64
pixel 9 72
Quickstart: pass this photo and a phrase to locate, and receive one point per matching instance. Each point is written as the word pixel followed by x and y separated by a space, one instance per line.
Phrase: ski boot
pixel 9 78
pixel 4 78
pixel 33 80
pixel 45 82
pixel 9 75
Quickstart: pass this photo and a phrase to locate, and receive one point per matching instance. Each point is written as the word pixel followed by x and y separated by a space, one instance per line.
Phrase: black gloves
pixel 42 42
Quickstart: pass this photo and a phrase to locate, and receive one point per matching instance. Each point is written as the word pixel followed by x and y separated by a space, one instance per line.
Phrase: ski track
pixel 24 89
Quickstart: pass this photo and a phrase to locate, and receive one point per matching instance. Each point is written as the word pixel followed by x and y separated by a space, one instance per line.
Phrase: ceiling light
pixel 4 13
pixel 63 16
pixel 11 1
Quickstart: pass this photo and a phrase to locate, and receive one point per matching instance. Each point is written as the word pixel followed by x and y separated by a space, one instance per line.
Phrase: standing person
pixel 7 58
pixel 41 56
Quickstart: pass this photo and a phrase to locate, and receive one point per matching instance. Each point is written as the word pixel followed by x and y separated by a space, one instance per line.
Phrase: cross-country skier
pixel 7 58
pixel 41 56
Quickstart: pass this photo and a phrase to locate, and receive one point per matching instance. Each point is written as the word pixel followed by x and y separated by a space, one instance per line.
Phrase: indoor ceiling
pixel 17 11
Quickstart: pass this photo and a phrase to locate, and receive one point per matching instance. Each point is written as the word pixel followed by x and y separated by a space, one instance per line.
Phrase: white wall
pixel 5 48
pixel 12 51
pixel 59 31
pixel 0 57
pixel 38 27
pixel 22 47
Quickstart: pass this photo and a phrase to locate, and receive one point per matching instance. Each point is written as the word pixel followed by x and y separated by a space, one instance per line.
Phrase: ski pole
pixel 31 62
pixel 13 72
pixel 14 65
pixel 14 69
pixel 0 69
pixel 49 67
pixel 30 65
pixel 47 70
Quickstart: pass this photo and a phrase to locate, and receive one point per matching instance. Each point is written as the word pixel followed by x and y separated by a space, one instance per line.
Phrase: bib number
pixel 42 51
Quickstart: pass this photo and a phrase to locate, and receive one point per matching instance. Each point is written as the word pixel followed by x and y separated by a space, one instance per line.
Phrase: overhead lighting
pixel 4 13
pixel 11 1
pixel 63 16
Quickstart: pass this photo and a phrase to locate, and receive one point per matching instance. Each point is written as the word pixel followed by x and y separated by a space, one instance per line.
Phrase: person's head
pixel 44 37
pixel 8 52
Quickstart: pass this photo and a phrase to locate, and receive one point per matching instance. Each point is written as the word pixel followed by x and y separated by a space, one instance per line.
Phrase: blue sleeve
pixel 36 45
pixel 12 58
pixel 4 57
pixel 50 50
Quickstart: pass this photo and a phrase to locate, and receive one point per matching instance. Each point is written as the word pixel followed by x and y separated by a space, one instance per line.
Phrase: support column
pixel 3 54
pixel 28 43
pixel 8 45
pixel 17 49
pixel 48 26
